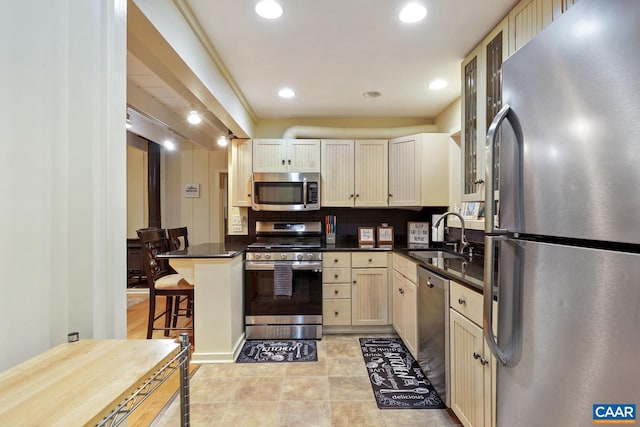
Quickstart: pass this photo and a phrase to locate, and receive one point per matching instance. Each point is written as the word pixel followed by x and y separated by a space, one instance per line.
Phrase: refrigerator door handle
pixel 487 315
pixel 506 112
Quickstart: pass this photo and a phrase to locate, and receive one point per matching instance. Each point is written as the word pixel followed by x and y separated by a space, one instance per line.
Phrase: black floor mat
pixel 276 351
pixel 396 378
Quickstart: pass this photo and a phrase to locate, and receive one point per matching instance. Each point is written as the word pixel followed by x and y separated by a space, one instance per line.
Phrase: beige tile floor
pixel 334 391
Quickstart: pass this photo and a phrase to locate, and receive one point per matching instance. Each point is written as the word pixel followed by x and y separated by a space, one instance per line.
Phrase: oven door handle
pixel 266 266
pixel 305 193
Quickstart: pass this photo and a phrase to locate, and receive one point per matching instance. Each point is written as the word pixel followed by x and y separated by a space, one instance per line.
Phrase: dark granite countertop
pixel 206 250
pixel 469 272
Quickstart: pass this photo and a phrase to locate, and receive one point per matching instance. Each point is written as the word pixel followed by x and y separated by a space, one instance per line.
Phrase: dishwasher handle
pixel 431 279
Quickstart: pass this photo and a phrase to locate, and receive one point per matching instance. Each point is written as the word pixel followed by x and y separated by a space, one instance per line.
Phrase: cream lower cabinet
pixel 336 288
pixel 472 367
pixel 405 301
pixel 369 289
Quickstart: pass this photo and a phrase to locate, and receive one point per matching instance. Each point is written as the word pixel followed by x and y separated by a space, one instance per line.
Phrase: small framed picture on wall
pixel 418 234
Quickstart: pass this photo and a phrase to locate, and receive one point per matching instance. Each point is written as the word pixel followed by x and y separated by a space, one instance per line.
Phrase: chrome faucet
pixel 463 238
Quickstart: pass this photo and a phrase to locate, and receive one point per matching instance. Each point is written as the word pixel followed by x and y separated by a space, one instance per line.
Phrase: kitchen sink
pixel 433 254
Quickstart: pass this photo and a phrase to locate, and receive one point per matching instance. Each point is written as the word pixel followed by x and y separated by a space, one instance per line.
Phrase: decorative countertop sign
pixel 418 234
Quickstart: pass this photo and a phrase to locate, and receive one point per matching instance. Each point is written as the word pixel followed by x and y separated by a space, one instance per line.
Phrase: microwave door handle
pixel 304 193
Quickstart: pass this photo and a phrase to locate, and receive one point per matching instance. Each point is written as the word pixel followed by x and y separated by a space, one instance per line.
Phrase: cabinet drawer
pixel 336 259
pixel 336 275
pixel 467 302
pixel 336 312
pixel 406 267
pixel 368 259
pixel 340 290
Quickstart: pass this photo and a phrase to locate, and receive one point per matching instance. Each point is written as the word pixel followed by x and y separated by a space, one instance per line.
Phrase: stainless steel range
pixel 283 281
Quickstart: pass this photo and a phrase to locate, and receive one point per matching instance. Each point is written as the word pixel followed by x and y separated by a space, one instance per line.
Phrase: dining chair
pixel 163 282
pixel 178 238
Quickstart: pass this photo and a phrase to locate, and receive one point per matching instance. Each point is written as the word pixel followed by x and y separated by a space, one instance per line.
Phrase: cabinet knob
pixel 354 282
pixel 401 291
pixel 289 162
pixel 484 361
pixel 248 195
pixel 351 196
pixel 462 301
pixel 335 260
pixel 357 195
pixel 476 355
pixel 335 292
pixel 282 162
pixel 336 313
pixel 370 260
pixel 479 181
pixel 335 276
pixel 390 195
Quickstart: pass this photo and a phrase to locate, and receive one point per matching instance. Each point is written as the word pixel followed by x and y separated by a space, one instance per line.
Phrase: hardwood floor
pixel 137 329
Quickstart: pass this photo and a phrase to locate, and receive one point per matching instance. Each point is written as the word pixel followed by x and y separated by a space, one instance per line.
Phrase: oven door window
pixel 306 296
pixel 279 193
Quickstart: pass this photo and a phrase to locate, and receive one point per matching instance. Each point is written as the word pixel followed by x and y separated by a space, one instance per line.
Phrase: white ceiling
pixel 331 51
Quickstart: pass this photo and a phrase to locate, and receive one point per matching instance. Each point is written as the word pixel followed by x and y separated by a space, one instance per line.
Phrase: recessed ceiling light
pixel 413 12
pixel 169 145
pixel 438 84
pixel 372 94
pixel 269 9
pixel 223 141
pixel 194 117
pixel 286 93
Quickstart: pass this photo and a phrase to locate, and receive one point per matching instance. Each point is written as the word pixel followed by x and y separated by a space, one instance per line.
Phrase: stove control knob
pixel 299 256
pixel 257 256
pixel 283 256
pixel 310 256
pixel 267 256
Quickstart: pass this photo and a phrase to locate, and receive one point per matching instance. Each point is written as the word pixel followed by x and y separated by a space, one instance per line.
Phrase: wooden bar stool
pixel 163 282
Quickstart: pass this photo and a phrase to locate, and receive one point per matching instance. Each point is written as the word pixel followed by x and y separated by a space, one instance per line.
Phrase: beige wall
pixel 203 216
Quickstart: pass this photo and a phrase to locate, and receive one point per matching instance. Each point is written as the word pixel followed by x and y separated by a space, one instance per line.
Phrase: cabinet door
pixel 371 172
pixel 467 371
pixel 404 171
pixel 397 303
pixel 410 310
pixel 241 161
pixel 369 295
pixel 473 126
pixel 525 21
pixel 269 155
pixel 337 166
pixel 495 48
pixel 434 177
pixel 303 155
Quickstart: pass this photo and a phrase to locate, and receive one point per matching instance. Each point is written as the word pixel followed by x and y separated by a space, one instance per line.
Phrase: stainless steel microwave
pixel 286 191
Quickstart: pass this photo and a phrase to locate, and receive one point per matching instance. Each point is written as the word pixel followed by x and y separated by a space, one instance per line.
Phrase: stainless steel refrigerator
pixel 567 242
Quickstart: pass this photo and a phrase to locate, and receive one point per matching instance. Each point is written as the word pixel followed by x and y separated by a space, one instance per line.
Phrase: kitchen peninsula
pixel 215 270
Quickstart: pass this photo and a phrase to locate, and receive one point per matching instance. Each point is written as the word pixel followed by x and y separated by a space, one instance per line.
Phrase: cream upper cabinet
pixel 419 170
pixel 241 167
pixel 371 173
pixel 337 167
pixel 496 50
pixel 473 125
pixel 525 21
pixel 290 155
pixel 404 171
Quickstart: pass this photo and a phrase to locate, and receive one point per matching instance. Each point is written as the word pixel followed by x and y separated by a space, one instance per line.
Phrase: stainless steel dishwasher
pixel 433 331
